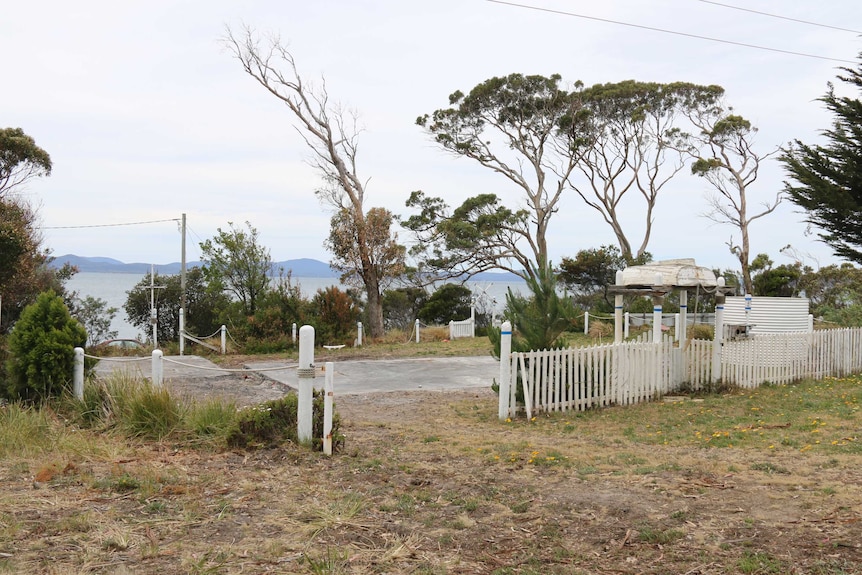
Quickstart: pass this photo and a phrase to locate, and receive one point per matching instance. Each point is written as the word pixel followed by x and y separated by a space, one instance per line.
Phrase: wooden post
pixel 683 316
pixel 359 334
pixel 305 384
pixel 328 389
pixel 504 409
pixel 417 331
pixel 719 332
pixel 223 339
pixel 618 311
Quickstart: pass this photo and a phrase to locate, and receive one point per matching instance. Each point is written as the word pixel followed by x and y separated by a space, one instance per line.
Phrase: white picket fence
pixel 641 370
pixel 462 328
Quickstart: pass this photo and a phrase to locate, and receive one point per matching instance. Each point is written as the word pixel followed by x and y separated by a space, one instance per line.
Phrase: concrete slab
pixel 387 375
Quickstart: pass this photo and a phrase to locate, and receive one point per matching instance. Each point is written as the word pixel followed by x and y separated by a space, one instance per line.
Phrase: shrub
pixel 700 331
pixel 41 349
pixel 274 422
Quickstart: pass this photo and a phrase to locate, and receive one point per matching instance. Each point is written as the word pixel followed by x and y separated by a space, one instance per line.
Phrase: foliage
pixel 633 142
pixel 337 313
pixel 274 422
pixel 701 331
pixel 592 272
pixel 781 281
pixel 826 180
pixel 235 262
pixel 730 164
pixel 24 269
pixel 20 159
pixel 524 128
pixel 41 348
pixel 380 247
pixel 203 306
pixel 449 302
pixel 96 317
pixel 401 307
pixel 279 308
pixel 538 321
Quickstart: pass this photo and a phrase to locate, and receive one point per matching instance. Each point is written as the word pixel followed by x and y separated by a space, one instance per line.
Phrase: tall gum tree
pixel 826 180
pixel 523 128
pixel 729 162
pixel 636 145
pixel 332 136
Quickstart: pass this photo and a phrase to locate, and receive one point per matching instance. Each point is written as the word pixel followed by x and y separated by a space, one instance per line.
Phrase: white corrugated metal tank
pixel 768 314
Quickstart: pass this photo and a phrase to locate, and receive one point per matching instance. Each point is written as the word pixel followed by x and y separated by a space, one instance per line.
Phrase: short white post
pixel 158 369
pixel 305 384
pixel 154 322
pixel 618 310
pixel 810 322
pixel 626 325
pixel 78 374
pixel 451 329
pixel 293 333
pixel 586 323
pixel 505 369
pixel 676 326
pixel 223 339
pixel 682 327
pixel 328 389
pixel 182 331
pixel 417 331
pixel 359 334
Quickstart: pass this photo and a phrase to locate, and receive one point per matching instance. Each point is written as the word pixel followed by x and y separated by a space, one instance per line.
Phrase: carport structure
pixel 657 280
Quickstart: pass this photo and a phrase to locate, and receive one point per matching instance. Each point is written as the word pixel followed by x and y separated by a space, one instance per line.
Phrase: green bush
pixel 274 422
pixel 41 350
pixel 700 331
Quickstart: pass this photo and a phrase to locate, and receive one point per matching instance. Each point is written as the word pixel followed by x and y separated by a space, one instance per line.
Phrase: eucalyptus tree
pixel 728 161
pixel 826 180
pixel 20 159
pixel 332 136
pixel 636 143
pixel 523 128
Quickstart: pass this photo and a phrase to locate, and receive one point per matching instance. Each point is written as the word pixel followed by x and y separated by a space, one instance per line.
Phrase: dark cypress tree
pixel 827 179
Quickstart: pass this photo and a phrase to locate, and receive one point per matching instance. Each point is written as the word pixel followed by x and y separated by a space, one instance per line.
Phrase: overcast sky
pixel 147 116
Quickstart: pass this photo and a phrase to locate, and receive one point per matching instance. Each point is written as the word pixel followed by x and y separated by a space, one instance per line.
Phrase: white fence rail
pixel 640 370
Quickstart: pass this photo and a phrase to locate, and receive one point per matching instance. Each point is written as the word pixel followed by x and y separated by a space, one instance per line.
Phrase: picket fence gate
pixel 642 370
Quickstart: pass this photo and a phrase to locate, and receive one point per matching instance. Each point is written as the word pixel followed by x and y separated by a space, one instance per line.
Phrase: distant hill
pixel 299 268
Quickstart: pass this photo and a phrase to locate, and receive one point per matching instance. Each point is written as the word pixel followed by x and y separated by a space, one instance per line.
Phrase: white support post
pixel 417 331
pixel 223 339
pixel 626 325
pixel 505 370
pixel 359 334
pixel 656 312
pixel 719 332
pixel 305 384
pixel 182 331
pixel 451 329
pixel 78 374
pixel 747 313
pixel 618 311
pixel 158 370
pixel 328 389
pixel 293 333
pixel 586 323
pixel 676 326
pixel 683 316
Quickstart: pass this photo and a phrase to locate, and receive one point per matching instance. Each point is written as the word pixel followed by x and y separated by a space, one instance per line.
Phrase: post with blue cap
pixel 505 369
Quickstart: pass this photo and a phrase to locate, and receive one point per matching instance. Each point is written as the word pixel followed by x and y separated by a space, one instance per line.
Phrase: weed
pixel 653 536
pixel 760 563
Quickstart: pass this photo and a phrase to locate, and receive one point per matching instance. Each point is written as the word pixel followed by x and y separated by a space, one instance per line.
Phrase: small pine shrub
pixel 41 350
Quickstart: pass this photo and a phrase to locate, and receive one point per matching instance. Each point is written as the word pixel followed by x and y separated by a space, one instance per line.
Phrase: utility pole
pixel 154 318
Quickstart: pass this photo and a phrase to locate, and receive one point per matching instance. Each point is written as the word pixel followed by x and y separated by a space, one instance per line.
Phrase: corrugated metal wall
pixel 768 314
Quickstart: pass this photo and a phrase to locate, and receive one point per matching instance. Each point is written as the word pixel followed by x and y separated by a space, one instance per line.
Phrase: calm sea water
pixel 114 288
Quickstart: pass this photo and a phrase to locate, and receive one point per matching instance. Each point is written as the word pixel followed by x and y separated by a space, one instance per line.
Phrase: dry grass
pixel 760 482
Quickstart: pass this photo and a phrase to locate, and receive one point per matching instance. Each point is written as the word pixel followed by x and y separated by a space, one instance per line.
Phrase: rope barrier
pixel 117 359
pixel 230 370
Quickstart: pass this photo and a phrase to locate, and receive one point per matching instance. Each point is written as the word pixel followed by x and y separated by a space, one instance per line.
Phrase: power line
pixel 686 34
pixel 781 17
pixel 107 225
